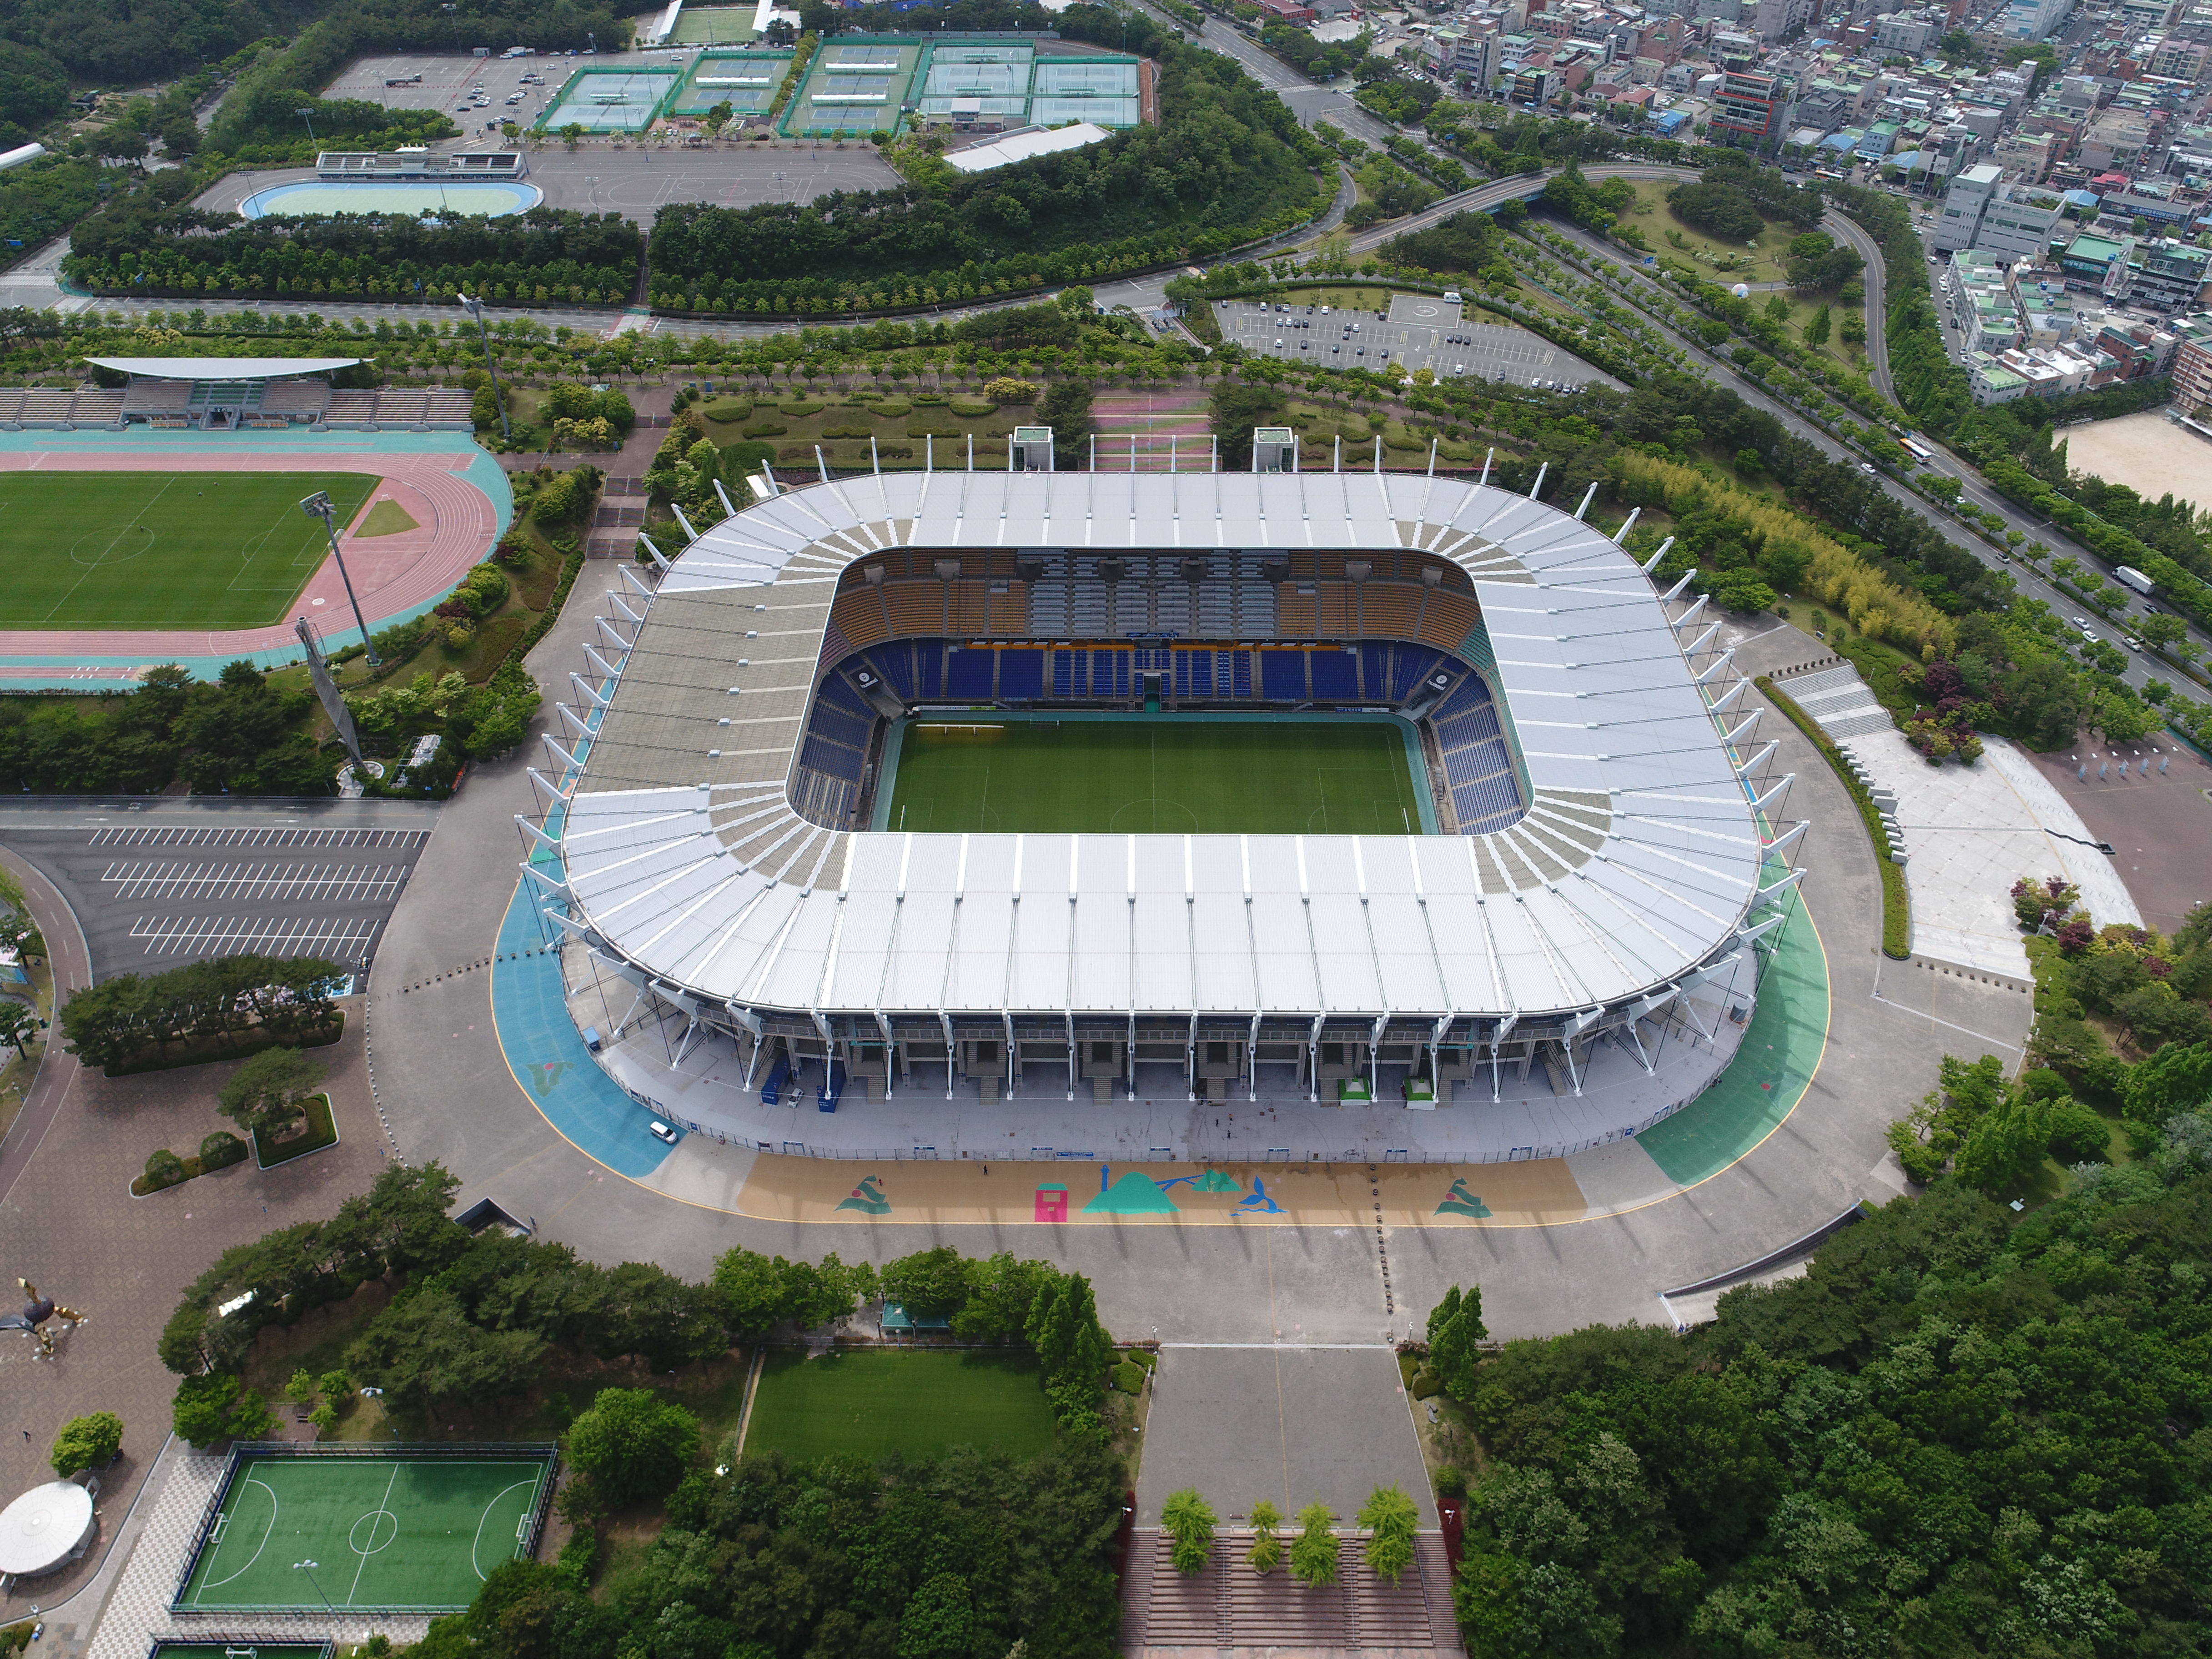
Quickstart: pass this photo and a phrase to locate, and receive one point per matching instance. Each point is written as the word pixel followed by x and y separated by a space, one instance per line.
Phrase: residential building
pixel 1748 111
pixel 2192 366
pixel 2030 20
pixel 2115 140
pixel 2015 230
pixel 2095 263
pixel 1990 381
pixel 2166 274
pixel 1964 200
pixel 1903 32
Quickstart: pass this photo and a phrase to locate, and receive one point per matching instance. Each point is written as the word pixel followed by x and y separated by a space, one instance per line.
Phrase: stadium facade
pixel 1605 879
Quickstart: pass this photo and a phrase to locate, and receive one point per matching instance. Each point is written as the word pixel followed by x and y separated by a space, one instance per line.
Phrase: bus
pixel 1917 448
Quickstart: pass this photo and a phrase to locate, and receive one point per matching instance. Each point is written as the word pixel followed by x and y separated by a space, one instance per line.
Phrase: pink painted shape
pixel 456 524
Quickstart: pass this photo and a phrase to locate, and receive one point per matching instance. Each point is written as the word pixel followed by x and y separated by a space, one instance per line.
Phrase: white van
pixel 1451 296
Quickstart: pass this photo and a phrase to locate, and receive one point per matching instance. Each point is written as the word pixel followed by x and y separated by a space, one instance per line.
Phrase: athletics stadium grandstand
pixel 233 393
pixel 1292 785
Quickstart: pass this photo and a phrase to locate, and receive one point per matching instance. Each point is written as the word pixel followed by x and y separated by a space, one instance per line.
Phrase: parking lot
pixel 635 180
pixel 156 885
pixel 1418 331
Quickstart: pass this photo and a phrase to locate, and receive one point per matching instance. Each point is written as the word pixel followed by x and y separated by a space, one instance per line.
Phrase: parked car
pixel 661 1131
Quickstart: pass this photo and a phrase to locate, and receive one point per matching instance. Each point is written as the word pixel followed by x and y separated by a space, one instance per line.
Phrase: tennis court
pixel 1172 774
pixel 409 1529
pixel 610 100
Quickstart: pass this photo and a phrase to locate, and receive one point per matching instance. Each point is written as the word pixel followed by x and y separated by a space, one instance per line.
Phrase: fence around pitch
pixel 387 1451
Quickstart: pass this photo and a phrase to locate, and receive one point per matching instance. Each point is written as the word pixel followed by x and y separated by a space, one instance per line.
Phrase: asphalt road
pixel 156 883
pixel 2138 671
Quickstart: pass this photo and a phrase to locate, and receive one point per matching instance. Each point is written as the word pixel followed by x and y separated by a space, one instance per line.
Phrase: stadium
pixel 961 790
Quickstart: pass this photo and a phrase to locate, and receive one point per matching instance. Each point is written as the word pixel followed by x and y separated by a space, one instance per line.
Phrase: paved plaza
pixel 1293 1423
pixel 2157 814
pixel 1969 830
pixel 1418 331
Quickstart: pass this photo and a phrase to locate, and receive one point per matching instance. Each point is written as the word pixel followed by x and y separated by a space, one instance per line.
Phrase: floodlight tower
pixel 317 505
pixel 474 308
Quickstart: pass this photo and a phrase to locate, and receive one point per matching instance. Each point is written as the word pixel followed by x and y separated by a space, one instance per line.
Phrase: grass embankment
pixel 1896 906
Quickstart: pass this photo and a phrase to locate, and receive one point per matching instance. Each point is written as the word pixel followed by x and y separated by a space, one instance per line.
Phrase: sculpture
pixel 36 1313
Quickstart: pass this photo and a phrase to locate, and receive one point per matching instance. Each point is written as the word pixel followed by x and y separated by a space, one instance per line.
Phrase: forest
pixel 968 1554
pixel 1226 162
pixel 1961 1431
pixel 543 254
pixel 238 735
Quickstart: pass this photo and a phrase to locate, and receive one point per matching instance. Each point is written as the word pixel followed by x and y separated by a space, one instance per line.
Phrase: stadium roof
pixel 1021 146
pixel 220 368
pixel 1637 866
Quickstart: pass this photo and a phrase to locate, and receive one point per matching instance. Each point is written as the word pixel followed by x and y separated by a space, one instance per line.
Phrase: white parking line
pixel 325 883
pixel 342 938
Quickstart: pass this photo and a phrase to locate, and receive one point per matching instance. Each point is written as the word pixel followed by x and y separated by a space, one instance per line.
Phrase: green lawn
pixel 162 550
pixel 918 1402
pixel 1173 773
pixel 394 1532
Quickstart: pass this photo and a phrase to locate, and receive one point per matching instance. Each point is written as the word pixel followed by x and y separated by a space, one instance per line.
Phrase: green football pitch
pixel 874 1403
pixel 398 1533
pixel 1149 775
pixel 162 550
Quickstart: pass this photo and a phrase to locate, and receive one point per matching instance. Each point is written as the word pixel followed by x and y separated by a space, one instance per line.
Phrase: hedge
pixel 1896 907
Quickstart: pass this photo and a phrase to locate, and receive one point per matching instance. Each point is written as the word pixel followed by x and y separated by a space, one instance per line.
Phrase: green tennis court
pixel 246 1650
pixel 1150 775
pixel 162 550
pixel 870 1404
pixel 401 1531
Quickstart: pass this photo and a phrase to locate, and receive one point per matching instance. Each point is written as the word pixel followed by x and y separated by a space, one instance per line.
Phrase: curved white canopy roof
pixel 221 368
pixel 1637 863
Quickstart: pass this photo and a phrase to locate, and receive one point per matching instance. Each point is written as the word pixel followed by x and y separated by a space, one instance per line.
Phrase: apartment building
pixel 2192 366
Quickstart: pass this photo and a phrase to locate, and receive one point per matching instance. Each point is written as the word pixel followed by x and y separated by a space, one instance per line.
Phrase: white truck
pixel 2134 579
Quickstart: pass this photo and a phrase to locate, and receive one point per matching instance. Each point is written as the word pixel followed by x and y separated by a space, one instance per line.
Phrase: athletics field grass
pixel 162 550
pixel 1174 773
pixel 395 1532
pixel 874 1403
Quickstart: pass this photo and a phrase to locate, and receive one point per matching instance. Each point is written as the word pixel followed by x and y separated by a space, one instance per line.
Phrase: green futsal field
pixel 399 1533
pixel 1150 775
pixel 162 550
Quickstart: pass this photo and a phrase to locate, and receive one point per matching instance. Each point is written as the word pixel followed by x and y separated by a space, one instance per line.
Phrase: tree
pixel 930 1282
pixel 633 1444
pixel 425 1349
pixel 1188 1520
pixel 1816 328
pixel 1266 1552
pixel 1456 1328
pixel 1066 408
pixel 86 1443
pixel 1390 1519
pixel 264 1095
pixel 18 1026
pixel 1313 1553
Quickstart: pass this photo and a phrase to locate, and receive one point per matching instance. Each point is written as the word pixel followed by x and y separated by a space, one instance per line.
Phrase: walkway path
pixel 1969 830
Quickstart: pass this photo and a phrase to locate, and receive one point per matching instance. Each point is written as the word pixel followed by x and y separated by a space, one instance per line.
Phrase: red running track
pixel 456 525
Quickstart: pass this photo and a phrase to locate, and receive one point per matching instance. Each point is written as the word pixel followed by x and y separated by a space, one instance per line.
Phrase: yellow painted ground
pixel 960 1192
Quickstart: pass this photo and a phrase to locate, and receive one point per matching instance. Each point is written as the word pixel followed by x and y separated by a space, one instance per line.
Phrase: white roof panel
pixel 1636 861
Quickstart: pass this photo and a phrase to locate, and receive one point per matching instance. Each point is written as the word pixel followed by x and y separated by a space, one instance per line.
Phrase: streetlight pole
pixel 308 116
pixel 317 505
pixel 308 1567
pixel 474 308
pixel 453 11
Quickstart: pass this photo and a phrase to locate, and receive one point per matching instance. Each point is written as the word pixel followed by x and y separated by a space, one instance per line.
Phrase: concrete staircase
pixel 1229 1607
